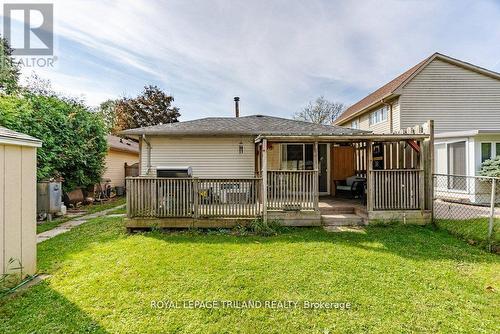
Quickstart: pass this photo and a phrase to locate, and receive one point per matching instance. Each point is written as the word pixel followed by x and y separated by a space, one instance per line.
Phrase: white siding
pixel 210 157
pixel 454 97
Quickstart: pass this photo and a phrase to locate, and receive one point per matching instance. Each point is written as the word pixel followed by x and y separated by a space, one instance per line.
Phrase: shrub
pixel 261 227
pixel 74 140
pixel 491 167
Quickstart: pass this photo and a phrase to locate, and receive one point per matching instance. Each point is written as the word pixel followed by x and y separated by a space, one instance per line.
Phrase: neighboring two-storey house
pixel 462 99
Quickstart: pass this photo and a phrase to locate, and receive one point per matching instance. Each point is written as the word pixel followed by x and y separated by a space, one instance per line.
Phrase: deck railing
pixel 397 189
pixel 192 197
pixel 227 197
pixel 152 197
pixel 292 190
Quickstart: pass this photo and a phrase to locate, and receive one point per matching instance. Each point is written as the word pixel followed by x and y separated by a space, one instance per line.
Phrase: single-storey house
pixel 463 100
pixel 215 171
pixel 122 153
pixel 17 203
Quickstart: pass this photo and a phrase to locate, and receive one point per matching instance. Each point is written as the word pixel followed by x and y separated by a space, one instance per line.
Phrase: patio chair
pixel 354 185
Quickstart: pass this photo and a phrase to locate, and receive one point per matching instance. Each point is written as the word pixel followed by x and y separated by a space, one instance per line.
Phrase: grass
pixel 89 209
pixel 472 230
pixel 398 279
pixel 118 211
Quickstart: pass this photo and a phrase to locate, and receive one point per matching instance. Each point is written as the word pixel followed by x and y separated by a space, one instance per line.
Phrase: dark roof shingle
pixel 248 125
pixel 122 144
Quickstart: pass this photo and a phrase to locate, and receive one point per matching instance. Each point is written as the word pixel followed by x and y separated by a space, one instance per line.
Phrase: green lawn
pixel 472 230
pixel 398 279
pixel 92 208
pixel 118 211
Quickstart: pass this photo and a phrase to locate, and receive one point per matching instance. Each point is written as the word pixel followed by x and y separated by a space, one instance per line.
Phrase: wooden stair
pixel 343 216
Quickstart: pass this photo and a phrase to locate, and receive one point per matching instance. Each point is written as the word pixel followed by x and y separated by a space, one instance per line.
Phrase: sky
pixel 275 55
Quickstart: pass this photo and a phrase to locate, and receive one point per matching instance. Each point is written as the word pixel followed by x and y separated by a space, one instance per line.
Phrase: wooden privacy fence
pixel 292 190
pixel 397 189
pixel 192 197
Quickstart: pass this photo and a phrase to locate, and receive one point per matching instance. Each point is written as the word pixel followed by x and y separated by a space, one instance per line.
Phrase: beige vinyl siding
pixel 396 115
pixel 382 127
pixel 364 123
pixel 115 166
pixel 210 157
pixel 17 208
pixel 454 97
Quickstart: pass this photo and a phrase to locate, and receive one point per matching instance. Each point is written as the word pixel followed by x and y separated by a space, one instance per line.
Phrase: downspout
pixel 389 106
pixel 148 153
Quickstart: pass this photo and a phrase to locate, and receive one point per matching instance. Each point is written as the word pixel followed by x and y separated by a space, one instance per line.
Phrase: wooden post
pixel 429 146
pixel 264 179
pixel 128 187
pixel 369 175
pixel 421 177
pixel 492 212
pixel 195 197
pixel 316 176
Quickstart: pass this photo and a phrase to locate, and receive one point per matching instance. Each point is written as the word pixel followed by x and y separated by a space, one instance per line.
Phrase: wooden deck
pixel 398 171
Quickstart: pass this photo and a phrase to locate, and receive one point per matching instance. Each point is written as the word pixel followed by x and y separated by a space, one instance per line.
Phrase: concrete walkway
pixel 70 224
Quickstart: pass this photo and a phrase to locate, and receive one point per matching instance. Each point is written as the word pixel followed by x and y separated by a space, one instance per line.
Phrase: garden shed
pixel 17 202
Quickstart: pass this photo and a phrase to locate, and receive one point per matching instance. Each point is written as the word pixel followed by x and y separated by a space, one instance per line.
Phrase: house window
pixel 486 153
pixel 355 124
pixel 440 159
pixel 297 156
pixel 457 166
pixel 497 153
pixel 378 116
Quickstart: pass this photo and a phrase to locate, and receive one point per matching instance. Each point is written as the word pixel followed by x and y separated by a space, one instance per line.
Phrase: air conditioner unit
pixel 234 193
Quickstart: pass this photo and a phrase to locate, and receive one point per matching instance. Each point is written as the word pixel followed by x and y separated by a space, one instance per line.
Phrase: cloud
pixel 276 55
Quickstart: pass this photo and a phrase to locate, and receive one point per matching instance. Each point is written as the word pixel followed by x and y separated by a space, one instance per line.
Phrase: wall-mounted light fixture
pixel 240 148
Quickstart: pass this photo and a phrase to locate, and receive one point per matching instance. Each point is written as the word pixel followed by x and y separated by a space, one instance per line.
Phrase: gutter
pixel 364 110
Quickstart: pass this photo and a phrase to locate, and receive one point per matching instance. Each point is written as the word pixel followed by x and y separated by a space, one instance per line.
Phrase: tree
pixel 74 138
pixel 491 167
pixel 152 107
pixel 321 111
pixel 9 69
pixel 37 85
pixel 107 112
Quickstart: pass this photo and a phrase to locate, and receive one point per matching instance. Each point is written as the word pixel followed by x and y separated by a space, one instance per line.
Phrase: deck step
pixel 341 219
pixel 336 210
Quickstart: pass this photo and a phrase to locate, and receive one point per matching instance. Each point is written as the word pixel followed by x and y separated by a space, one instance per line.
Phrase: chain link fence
pixel 469 207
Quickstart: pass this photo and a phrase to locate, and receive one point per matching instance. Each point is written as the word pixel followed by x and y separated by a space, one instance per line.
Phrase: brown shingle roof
pixel 120 144
pixel 380 93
